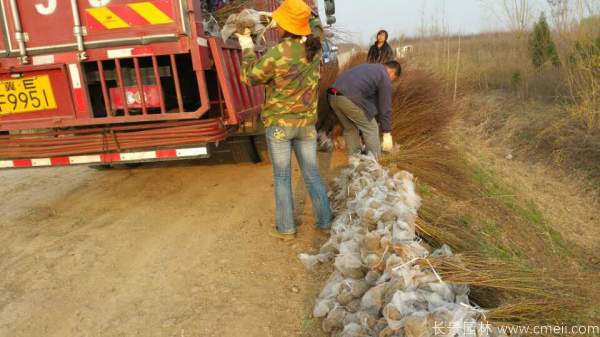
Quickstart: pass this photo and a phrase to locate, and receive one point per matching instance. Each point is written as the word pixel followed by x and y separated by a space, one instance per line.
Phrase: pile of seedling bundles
pixel 383 284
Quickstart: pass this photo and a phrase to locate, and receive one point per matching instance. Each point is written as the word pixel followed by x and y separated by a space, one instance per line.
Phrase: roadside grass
pixel 550 114
pixel 527 210
pixel 540 131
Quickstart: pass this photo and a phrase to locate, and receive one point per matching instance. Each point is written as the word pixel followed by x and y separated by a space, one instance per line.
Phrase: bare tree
pixel 587 8
pixel 593 7
pixel 423 26
pixel 568 12
pixel 561 15
pixel 518 12
pixel 517 15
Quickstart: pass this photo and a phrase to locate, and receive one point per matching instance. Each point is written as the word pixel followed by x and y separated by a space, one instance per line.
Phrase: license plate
pixel 26 95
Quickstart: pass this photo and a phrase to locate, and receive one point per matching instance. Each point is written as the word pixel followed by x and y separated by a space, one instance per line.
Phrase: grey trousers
pixel 353 119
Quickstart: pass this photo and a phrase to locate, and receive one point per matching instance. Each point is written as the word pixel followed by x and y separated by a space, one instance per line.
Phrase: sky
pixel 403 17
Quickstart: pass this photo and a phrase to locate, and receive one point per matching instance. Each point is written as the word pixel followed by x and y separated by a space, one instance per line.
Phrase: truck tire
pixel 242 149
pixel 101 167
pixel 260 144
pixel 126 166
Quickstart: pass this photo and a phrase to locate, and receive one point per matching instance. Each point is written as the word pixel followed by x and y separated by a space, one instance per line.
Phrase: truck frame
pixel 101 82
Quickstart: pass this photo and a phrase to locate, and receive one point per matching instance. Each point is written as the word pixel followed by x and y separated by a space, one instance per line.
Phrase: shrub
pixel 541 46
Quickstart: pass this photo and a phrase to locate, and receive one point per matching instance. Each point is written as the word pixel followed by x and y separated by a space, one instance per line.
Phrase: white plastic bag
pixel 247 18
pixel 372 301
pixel 311 261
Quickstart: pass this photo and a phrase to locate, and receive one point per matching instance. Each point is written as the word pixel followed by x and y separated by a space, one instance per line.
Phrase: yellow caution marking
pixel 107 18
pixel 150 13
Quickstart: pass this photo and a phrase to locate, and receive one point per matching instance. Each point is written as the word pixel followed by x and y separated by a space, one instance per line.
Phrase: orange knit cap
pixel 293 17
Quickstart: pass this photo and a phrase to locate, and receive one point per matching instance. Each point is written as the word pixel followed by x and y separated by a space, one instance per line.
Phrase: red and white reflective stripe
pixel 75 78
pixel 130 52
pixel 42 60
pixel 106 158
pixel 78 94
pixel 119 53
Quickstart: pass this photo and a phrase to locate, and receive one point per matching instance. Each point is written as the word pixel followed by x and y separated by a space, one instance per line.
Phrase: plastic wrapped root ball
pixel 378 287
pixel 248 19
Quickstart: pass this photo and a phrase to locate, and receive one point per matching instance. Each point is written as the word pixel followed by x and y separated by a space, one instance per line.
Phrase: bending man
pixel 358 96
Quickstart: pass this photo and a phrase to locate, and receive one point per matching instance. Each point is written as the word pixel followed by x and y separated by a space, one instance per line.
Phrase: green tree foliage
pixel 541 46
pixel 586 53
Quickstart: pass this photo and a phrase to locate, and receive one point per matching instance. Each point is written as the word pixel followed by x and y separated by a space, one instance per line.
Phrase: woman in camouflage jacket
pixel 290 73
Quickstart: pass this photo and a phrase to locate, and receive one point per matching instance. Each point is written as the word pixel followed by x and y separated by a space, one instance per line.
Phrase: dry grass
pixel 554 112
pixel 540 131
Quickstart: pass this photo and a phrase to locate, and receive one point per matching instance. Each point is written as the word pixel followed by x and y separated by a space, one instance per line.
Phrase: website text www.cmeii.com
pixel 474 329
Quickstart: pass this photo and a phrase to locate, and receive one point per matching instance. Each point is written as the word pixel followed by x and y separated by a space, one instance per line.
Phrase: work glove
pixel 269 17
pixel 245 39
pixel 388 144
pixel 267 14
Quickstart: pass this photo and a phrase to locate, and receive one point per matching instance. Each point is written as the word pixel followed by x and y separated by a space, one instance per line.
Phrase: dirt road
pixel 163 250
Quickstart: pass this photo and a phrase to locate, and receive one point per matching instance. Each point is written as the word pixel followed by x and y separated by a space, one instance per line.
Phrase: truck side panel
pixel 122 20
pixel 44 26
pixel 4 47
pixel 50 25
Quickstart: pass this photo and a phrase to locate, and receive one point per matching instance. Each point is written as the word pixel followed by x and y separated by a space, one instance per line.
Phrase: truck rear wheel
pixel 243 150
pixel 126 166
pixel 260 144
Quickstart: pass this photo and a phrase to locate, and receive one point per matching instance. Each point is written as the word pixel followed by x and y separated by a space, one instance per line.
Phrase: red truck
pixel 102 82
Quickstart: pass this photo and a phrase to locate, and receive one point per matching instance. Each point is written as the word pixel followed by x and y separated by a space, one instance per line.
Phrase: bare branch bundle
pixel 526 296
pixel 420 107
pixel 232 7
pixel 438 229
pixel 356 59
pixel 479 271
pixel 328 75
pixel 338 34
pixel 428 158
pixel 556 311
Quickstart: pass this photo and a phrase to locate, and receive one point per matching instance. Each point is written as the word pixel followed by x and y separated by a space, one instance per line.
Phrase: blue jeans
pixel 303 140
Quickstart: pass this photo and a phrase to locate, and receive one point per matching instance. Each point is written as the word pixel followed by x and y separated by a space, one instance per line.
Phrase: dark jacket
pixel 380 55
pixel 369 86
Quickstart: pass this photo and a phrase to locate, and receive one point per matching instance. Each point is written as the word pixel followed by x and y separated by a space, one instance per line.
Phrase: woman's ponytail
pixel 312 46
